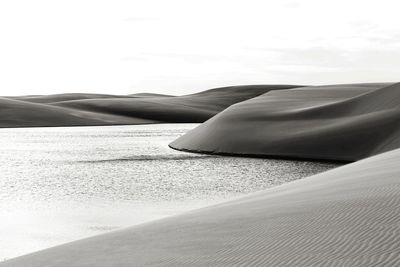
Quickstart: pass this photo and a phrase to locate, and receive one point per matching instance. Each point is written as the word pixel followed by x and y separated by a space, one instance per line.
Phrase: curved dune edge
pixel 335 122
pixel 344 217
pixel 100 109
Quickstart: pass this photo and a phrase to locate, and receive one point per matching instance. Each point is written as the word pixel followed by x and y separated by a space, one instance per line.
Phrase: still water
pixel 63 184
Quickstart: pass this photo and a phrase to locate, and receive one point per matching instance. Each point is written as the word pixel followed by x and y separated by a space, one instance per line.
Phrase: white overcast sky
pixel 184 46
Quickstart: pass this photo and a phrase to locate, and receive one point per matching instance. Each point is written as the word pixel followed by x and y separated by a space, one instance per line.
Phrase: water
pixel 63 184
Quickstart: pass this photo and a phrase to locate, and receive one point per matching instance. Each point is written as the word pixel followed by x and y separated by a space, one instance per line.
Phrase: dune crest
pixel 100 109
pixel 338 122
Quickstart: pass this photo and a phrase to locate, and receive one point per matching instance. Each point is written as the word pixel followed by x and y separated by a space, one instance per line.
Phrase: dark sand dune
pixel 189 108
pixel 97 109
pixel 339 122
pixel 149 95
pixel 62 97
pixel 16 113
pixel 344 217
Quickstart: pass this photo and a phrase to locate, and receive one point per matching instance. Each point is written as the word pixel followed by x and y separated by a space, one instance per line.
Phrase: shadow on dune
pixel 339 122
pixel 100 109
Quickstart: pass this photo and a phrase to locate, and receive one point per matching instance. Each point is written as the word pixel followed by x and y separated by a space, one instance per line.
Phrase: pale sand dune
pixel 100 109
pixel 338 122
pixel 348 216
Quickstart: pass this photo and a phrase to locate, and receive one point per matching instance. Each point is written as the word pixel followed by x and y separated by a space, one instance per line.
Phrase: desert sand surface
pixel 101 109
pixel 335 122
pixel 344 217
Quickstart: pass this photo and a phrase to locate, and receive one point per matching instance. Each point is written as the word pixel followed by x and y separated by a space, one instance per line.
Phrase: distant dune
pixel 338 122
pixel 344 217
pixel 17 113
pixel 100 109
pixel 61 97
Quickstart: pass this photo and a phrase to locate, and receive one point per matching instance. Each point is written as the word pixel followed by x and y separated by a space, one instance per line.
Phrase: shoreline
pixel 159 175
pixel 201 231
pixel 344 216
pixel 266 156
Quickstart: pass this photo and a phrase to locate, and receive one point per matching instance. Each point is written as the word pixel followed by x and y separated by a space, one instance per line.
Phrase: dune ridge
pixel 142 108
pixel 338 122
pixel 343 217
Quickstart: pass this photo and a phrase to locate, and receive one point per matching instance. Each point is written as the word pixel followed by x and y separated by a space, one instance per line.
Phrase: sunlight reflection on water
pixel 62 184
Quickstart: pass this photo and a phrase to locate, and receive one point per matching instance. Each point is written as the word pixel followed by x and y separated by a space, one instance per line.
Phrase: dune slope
pixel 61 97
pixel 16 113
pixel 100 109
pixel 189 108
pixel 344 217
pixel 338 122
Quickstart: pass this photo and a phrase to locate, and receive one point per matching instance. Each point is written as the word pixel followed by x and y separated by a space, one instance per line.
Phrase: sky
pixel 184 46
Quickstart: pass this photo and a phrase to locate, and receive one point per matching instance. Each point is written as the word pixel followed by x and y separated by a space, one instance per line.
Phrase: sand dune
pixel 17 113
pixel 100 109
pixel 79 96
pixel 61 97
pixel 344 217
pixel 149 95
pixel 189 108
pixel 338 122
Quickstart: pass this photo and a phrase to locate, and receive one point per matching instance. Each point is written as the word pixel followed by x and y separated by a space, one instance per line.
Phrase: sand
pixel 344 217
pixel 100 109
pixel 17 113
pixel 337 122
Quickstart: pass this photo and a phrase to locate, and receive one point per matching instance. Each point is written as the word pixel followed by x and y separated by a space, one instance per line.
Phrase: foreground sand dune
pixel 338 122
pixel 344 217
pixel 100 109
